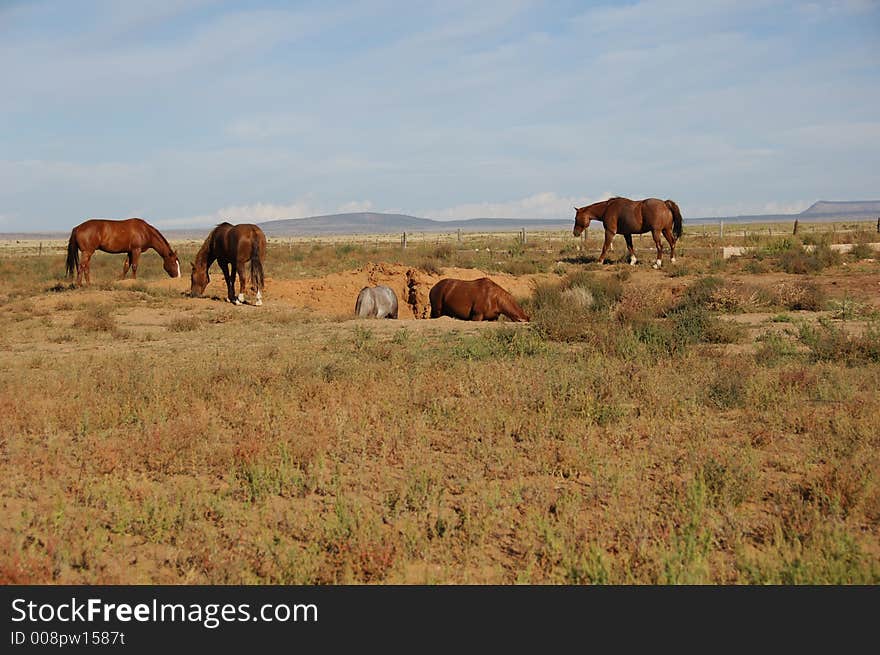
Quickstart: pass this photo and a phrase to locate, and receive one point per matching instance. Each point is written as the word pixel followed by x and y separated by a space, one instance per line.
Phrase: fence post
pixel 41 247
pixel 522 235
pixel 878 223
pixel 795 226
pixel 720 229
pixel 459 235
pixel 403 240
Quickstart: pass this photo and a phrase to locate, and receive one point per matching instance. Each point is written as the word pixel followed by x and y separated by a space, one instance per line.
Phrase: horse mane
pixel 202 254
pixel 604 203
pixel 158 234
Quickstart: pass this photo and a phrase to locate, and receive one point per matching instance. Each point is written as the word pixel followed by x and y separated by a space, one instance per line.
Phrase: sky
pixel 189 112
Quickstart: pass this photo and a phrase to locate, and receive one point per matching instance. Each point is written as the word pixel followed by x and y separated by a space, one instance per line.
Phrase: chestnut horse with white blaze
pixel 628 217
pixel 232 247
pixel 131 236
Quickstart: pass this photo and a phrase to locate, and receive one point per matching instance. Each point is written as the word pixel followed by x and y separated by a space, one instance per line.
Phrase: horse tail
pixel 256 265
pixel 72 254
pixel 676 218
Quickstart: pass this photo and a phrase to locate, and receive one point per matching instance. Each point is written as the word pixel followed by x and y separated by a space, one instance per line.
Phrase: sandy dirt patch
pixel 335 294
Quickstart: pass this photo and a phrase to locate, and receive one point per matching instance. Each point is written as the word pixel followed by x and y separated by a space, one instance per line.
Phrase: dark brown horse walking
pixel 473 300
pixel 628 217
pixel 131 236
pixel 235 246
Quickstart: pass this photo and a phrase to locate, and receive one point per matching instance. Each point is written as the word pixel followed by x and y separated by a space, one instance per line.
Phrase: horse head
pixel 582 219
pixel 171 264
pixel 198 281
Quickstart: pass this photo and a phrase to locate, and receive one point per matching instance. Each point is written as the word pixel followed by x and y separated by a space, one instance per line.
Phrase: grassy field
pixel 717 421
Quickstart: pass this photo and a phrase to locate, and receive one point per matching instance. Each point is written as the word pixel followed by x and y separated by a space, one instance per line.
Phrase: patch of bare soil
pixel 335 294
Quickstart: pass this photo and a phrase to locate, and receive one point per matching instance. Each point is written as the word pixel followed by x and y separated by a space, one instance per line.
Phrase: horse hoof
pixel 258 303
pixel 236 302
pixel 633 261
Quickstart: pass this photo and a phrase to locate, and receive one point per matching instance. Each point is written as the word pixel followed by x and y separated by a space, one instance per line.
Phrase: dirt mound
pixel 335 294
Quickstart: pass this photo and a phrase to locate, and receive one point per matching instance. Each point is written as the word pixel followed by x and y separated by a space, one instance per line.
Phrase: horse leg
pixel 241 284
pixel 609 236
pixel 84 268
pixel 670 237
pixel 632 251
pixel 659 244
pixel 135 257
pixel 80 269
pixel 125 265
pixel 229 278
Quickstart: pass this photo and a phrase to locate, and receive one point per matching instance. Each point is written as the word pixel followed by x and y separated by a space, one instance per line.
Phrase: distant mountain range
pixel 842 208
pixel 378 223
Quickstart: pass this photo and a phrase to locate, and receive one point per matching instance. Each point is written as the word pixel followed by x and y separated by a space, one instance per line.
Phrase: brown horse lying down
pixel 473 300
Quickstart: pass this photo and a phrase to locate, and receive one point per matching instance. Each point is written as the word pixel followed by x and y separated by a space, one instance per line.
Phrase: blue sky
pixel 186 112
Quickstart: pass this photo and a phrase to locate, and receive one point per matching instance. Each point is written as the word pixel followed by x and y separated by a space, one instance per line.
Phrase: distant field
pixel 717 421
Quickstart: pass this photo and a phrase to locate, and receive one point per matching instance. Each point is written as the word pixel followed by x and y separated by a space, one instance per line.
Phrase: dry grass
pixel 624 436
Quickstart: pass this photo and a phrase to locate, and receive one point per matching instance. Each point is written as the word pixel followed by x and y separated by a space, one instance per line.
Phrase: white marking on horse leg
pixel 259 298
pixel 673 260
pixel 241 298
pixel 658 264
pixel 632 260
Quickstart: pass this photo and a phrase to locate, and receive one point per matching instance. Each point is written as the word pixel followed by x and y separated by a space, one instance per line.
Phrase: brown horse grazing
pixel 630 217
pixel 131 236
pixel 473 300
pixel 231 245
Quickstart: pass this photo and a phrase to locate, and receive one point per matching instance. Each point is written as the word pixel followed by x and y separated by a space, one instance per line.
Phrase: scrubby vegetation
pixel 693 425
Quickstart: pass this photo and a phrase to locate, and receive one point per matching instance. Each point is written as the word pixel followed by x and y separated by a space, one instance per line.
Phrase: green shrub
pixel 699 294
pixel 555 317
pixel 799 261
pixel 606 291
pixel 807 296
pixel 444 252
pixel 827 342
pixel 774 349
pixel 863 251
pixel 431 266
pixel 520 267
pixel 501 342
